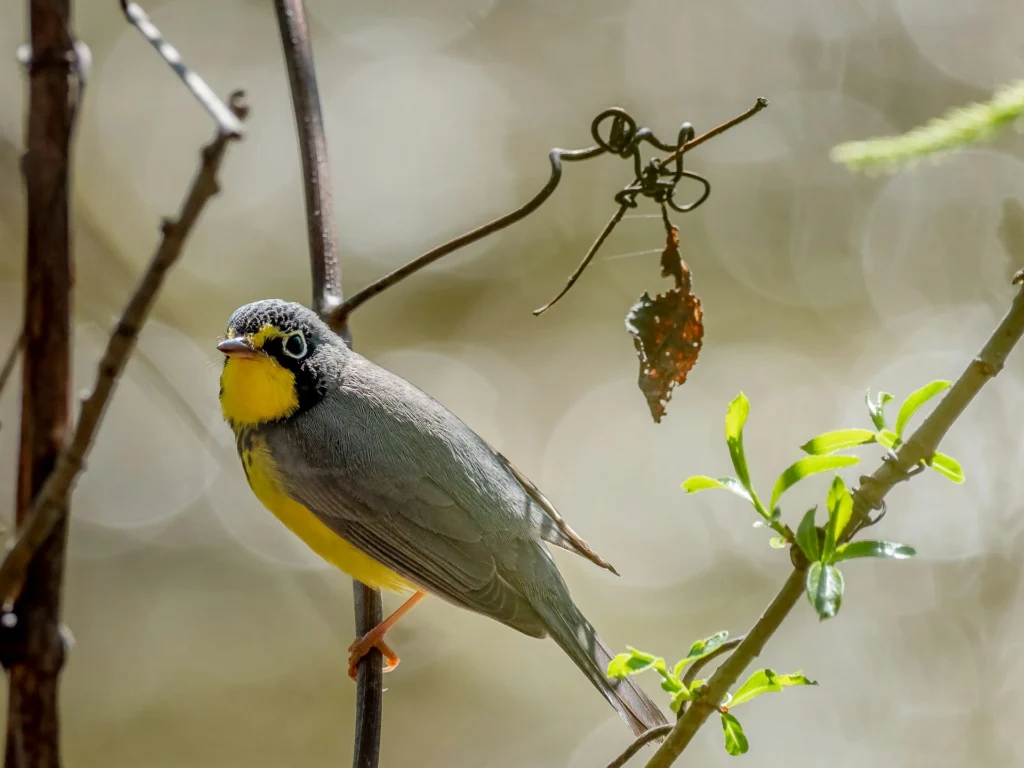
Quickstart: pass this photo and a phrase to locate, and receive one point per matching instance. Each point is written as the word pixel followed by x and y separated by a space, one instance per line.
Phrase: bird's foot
pixel 372 639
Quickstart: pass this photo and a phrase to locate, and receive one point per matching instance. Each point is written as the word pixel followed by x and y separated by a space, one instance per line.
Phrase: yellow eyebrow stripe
pixel 264 334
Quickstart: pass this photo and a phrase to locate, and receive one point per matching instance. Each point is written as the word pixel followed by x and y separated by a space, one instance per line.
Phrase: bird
pixel 385 483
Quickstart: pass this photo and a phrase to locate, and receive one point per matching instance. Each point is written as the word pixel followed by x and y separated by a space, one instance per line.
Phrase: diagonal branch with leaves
pixel 815 550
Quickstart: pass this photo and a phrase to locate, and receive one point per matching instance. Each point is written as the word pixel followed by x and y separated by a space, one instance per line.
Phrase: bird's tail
pixel 570 629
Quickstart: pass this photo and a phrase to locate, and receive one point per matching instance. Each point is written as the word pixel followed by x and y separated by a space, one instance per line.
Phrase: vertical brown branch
pixel 33 652
pixel 327 295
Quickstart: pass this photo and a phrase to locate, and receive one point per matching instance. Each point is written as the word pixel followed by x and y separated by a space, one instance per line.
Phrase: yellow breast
pixel 265 483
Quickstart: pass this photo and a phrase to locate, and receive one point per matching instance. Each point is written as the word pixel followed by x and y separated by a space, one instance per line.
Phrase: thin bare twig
pixel 227 122
pixel 10 360
pixel 50 505
pixel 316 173
pixel 639 743
pixel 919 447
pixel 327 301
pixel 587 258
pixel 760 104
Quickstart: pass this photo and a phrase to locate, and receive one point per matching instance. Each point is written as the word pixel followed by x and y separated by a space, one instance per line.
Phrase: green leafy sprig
pixel 684 691
pixel 958 128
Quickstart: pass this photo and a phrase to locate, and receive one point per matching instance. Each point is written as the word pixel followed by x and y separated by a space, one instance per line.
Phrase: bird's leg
pixel 375 638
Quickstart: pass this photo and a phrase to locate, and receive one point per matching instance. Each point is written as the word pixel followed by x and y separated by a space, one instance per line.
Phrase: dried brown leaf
pixel 667 330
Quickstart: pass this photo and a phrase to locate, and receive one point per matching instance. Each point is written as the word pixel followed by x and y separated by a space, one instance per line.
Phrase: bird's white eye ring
pixel 295 345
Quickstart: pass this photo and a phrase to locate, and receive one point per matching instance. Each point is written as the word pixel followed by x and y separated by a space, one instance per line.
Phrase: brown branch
pixel 316 175
pixel 228 122
pixel 327 300
pixel 50 506
pixel 31 648
pixel 919 447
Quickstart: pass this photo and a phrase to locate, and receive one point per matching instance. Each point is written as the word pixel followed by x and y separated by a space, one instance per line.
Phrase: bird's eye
pixel 295 346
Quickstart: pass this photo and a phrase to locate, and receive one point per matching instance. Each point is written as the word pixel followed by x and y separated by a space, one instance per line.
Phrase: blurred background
pixel 207 636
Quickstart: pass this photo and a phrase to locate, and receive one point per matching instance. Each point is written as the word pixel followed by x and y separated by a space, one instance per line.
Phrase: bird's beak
pixel 238 348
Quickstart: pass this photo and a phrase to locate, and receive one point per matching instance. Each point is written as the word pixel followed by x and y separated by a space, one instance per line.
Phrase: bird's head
pixel 276 353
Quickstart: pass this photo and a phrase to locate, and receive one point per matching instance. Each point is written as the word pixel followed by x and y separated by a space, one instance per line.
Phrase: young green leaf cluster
pixel 824 547
pixel 816 550
pixel 683 690
pixel 735 419
pixel 890 439
pixel 959 127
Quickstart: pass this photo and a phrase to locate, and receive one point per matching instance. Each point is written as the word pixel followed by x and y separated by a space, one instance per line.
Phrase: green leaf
pixel 795 679
pixel 825 589
pixel 839 440
pixel 760 682
pixel 840 510
pixel 777 542
pixel 916 400
pixel 811 465
pixel 877 410
pixel 669 681
pixel 634 662
pixel 807 536
pixel 677 700
pixel 888 549
pixel 948 466
pixel 700 649
pixel 735 418
pixel 766 681
pixel 735 739
pixel 887 439
pixel 702 483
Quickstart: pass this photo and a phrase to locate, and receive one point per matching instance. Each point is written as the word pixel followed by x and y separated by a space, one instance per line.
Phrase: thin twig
pixel 227 122
pixel 920 446
pixel 50 505
pixel 694 669
pixel 327 301
pixel 11 360
pixel 594 248
pixel 760 104
pixel 556 157
pixel 639 743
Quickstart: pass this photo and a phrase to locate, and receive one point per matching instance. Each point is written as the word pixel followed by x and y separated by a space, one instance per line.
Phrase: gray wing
pixel 398 476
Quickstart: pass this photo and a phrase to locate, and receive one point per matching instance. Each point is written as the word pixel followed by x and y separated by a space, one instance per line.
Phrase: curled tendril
pixel 657 180
pixel 614 132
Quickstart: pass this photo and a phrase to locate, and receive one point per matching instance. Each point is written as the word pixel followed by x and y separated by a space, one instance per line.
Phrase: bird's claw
pixel 363 646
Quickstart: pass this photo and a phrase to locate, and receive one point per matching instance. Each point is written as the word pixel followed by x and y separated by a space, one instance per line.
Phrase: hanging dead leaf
pixel 667 330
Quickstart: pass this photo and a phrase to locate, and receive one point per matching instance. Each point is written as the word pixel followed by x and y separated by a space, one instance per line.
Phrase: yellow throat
pixel 255 391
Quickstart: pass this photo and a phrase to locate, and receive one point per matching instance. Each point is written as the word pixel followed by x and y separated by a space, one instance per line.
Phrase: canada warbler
pixel 388 485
